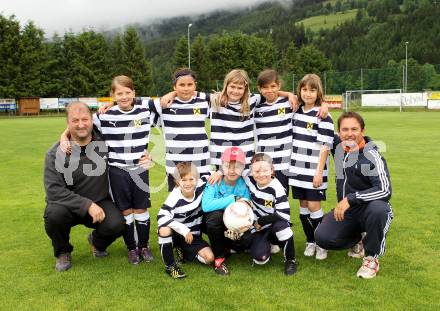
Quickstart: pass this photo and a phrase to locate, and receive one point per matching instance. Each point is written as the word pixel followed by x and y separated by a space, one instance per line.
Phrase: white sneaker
pixel 357 251
pixel 321 253
pixel 274 249
pixel 369 268
pixel 310 249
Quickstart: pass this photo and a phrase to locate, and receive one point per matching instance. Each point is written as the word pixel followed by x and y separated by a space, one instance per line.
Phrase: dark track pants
pixel 278 233
pixel 373 218
pixel 58 221
pixel 215 229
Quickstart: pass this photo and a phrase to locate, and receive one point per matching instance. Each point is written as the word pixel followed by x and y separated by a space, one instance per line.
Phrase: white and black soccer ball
pixel 238 215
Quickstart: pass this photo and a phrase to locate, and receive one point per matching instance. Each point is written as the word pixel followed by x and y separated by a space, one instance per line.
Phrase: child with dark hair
pixel 183 122
pixel 273 124
pixel 312 140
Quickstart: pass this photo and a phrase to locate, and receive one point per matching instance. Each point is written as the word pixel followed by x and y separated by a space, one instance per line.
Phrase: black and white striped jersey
pixel 180 214
pixel 309 134
pixel 183 125
pixel 126 133
pixel 273 125
pixel 269 200
pixel 229 128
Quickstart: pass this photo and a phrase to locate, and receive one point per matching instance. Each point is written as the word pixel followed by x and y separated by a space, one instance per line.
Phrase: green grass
pixel 315 23
pixel 409 277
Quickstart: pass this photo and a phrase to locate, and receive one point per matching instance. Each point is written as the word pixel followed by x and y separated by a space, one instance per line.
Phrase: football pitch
pixel 409 276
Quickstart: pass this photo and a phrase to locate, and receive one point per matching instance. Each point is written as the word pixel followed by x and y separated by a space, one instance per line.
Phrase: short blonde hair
pixel 122 81
pixel 183 169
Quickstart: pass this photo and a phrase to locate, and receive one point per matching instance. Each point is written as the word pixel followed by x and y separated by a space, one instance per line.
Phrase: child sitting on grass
pixel 179 221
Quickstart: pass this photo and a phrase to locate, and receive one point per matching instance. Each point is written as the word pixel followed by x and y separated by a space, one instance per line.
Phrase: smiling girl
pixel 183 123
pixel 232 116
pixel 125 128
pixel 312 140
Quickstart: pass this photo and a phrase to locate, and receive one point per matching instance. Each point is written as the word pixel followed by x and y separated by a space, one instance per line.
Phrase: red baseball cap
pixel 233 154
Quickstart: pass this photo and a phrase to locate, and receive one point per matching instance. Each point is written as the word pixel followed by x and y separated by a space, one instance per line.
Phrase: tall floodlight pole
pixel 189 47
pixel 406 66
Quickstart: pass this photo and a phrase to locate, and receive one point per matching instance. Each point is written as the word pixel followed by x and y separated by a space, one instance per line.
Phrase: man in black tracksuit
pixel 77 190
pixel 363 215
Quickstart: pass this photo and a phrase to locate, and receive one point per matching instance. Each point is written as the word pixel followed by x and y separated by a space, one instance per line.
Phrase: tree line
pixel 71 65
pixel 82 64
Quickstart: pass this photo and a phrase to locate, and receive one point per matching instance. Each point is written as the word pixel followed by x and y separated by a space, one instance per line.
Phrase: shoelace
pixel 370 264
pixel 175 272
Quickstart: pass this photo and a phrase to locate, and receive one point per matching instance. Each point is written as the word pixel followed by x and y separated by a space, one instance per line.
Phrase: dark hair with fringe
pixel 351 114
pixel 268 76
pixel 181 72
pixel 311 80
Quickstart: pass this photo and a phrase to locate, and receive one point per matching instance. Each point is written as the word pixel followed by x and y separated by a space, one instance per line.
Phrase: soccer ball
pixel 238 215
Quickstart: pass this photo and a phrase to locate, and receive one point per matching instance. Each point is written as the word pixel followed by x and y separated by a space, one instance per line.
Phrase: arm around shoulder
pixel 57 191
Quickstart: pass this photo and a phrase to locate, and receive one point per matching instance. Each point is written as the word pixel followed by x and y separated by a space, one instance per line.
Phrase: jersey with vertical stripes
pixel 273 126
pixel 126 133
pixel 178 210
pixel 229 128
pixel 185 136
pixel 268 200
pixel 309 134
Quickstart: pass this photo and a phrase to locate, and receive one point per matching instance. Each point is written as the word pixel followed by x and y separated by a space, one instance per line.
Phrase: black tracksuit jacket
pixel 361 176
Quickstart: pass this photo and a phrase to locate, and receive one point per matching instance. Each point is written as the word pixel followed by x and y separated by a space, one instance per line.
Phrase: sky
pixel 75 15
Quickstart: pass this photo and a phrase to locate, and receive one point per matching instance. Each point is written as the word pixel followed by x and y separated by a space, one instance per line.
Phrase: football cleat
pixel 290 267
pixel 146 254
pixel 175 272
pixel 133 257
pixel 179 255
pixel 220 267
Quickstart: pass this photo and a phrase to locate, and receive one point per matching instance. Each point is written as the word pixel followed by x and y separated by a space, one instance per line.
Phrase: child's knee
pixel 261 259
pixel 207 255
pixel 165 231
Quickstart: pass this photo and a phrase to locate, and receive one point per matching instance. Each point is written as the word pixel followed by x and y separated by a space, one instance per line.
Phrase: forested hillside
pixel 350 43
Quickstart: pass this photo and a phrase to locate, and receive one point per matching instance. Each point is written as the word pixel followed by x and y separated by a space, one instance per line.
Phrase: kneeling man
pixel 77 190
pixel 363 215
